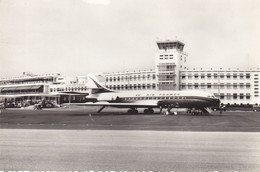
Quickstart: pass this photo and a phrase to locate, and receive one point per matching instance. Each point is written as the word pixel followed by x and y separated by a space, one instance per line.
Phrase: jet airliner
pixel 148 99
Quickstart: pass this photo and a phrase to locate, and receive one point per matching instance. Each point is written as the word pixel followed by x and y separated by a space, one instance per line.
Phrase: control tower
pixel 170 60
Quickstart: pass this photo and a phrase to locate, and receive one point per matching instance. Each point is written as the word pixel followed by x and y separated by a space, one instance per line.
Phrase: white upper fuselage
pixel 148 95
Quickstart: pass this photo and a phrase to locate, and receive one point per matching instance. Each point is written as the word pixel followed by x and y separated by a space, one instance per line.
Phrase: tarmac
pixel 113 119
pixel 83 140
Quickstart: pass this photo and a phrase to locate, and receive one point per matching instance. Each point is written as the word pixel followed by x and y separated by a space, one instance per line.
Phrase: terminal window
pixel 228 96
pixel 228 85
pixel 228 75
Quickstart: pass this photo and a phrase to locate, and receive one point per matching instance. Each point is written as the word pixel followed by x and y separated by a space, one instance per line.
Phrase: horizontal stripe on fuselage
pixel 167 98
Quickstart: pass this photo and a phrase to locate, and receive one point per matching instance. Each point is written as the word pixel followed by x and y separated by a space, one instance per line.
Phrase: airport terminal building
pixel 30 89
pixel 232 86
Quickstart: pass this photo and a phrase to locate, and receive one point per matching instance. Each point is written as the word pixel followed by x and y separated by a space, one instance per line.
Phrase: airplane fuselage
pixel 178 99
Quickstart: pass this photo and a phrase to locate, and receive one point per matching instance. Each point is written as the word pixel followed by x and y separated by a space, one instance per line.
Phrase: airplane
pixel 148 99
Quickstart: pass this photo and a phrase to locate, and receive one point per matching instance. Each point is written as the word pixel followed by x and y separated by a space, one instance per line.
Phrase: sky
pixel 77 37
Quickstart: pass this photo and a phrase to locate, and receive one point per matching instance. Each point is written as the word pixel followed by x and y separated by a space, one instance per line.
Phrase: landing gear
pixel 150 110
pixel 101 109
pixel 132 111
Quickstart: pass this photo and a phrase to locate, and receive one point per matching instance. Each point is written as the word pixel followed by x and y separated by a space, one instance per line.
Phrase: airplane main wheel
pixel 132 111
pixel 146 111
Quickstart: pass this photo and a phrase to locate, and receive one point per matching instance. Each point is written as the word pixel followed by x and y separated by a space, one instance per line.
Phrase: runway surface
pixel 128 150
pixel 115 141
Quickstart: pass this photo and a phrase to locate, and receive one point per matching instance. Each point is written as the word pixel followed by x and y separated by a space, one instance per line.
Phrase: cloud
pixel 97 2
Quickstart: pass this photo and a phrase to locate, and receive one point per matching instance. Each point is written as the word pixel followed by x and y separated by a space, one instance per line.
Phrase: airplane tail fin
pixel 95 86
